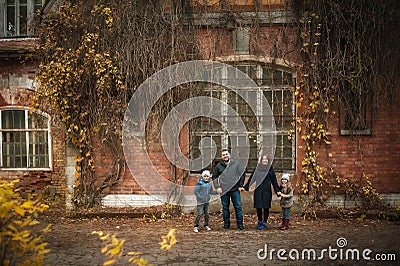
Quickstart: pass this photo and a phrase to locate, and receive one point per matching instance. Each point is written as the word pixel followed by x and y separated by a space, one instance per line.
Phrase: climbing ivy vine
pixel 349 55
pixel 93 55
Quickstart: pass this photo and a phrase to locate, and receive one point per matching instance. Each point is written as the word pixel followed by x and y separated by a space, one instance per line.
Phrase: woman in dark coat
pixel 263 175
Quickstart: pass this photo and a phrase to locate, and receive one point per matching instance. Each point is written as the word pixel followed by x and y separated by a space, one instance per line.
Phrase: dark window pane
pixel 241 41
pixel 13 119
pixel 287 152
pixel 23 18
pixel 37 4
pixel 266 76
pixel 232 101
pixel 277 77
pixel 14 149
pixel 268 96
pixel 287 123
pixel 277 163
pixel 37 121
pixel 287 78
pixel 287 103
pixel 286 164
pixel 11 21
pixel 253 72
pixel 251 123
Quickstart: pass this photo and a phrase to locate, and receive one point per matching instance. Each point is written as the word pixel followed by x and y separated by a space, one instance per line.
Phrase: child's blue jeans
pixel 286 213
pixel 202 208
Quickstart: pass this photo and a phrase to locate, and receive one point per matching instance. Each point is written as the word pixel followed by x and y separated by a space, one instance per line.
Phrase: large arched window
pixel 24 139
pixel 277 86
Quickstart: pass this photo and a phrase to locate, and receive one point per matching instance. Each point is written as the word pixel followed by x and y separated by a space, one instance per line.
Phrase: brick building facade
pixel 44 162
pixel 38 163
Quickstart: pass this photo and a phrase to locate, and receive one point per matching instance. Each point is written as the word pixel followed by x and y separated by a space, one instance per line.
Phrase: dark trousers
pixel 260 214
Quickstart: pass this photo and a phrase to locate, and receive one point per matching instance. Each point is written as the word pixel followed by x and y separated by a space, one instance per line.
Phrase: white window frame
pixel 27 130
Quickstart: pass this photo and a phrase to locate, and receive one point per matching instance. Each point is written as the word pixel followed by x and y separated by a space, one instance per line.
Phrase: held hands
pixel 219 190
pixel 241 189
pixel 279 193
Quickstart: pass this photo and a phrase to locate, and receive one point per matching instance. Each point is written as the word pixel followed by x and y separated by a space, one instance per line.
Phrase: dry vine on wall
pixel 93 55
pixel 343 45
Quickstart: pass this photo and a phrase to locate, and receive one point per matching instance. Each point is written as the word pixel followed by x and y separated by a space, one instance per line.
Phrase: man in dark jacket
pixel 228 176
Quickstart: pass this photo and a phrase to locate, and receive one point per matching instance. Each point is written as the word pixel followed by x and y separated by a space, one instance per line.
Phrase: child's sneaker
pixel 207 228
pixel 196 229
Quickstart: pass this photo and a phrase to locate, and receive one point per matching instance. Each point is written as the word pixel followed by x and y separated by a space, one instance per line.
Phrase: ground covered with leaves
pixel 72 243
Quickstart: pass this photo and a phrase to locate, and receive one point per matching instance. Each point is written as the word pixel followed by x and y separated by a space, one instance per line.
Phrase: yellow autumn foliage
pixel 114 248
pixel 18 245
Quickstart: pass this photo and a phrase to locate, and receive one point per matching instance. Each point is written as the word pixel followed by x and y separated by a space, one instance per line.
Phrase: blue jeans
pixel 286 213
pixel 237 204
pixel 202 208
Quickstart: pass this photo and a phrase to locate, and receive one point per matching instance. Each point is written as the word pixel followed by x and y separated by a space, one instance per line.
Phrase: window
pixel 277 86
pixel 24 139
pixel 241 41
pixel 18 15
pixel 355 113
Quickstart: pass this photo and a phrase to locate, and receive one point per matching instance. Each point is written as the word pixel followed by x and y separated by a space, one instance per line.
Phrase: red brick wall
pixel 104 160
pixel 377 156
pixel 50 183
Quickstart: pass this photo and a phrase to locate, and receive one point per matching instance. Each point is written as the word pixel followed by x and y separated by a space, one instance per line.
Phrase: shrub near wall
pixel 17 243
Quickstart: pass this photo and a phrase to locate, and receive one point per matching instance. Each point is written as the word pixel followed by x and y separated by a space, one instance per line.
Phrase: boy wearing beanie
pixel 203 192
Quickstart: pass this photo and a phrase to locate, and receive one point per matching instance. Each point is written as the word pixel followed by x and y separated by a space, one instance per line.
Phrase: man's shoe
pixel 196 229
pixel 241 227
pixel 226 227
pixel 207 228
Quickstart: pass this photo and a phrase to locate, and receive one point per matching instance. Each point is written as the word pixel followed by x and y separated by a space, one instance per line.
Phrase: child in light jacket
pixel 286 202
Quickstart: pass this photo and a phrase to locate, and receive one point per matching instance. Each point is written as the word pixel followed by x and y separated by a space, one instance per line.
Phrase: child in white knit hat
pixel 203 192
pixel 286 202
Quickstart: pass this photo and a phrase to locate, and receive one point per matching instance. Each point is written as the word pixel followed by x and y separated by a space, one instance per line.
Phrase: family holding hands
pixel 228 179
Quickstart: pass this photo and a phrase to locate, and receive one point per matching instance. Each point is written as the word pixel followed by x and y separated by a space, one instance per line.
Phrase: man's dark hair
pixel 225 149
